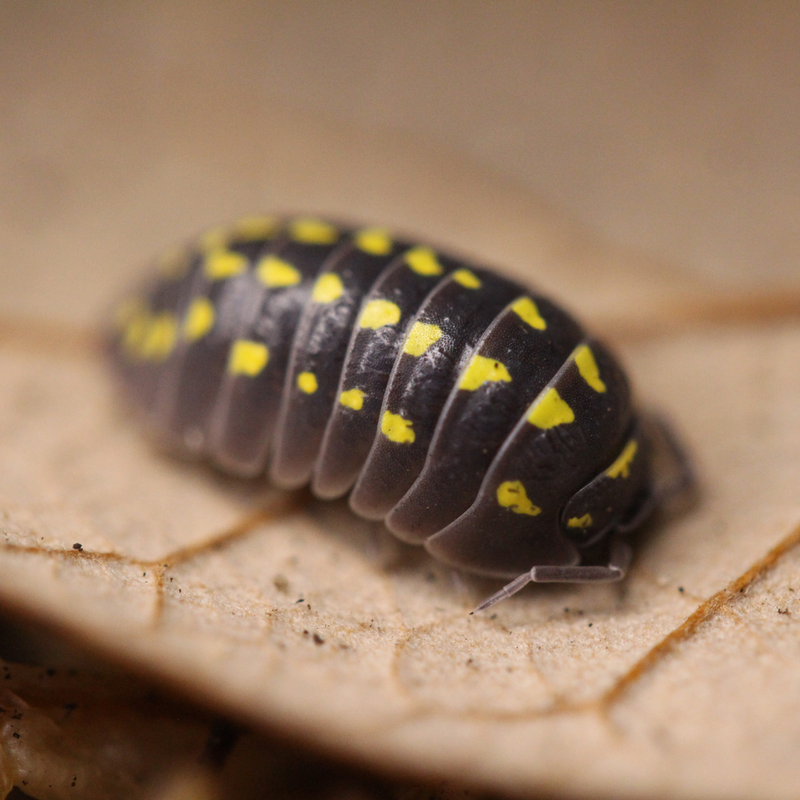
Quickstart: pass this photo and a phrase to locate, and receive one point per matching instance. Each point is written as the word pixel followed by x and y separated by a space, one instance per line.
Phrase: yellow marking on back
pixel 275 273
pixel 378 313
pixel 159 339
pixel 580 522
pixel 135 331
pixel 397 429
pixel 421 336
pixel 327 288
pixel 467 278
pixel 252 229
pixel 482 370
pixel 587 366
pixel 512 494
pixel 527 311
pixel 247 357
pixel 549 410
pixel 423 261
pixel 353 398
pixel 313 231
pixel 375 241
pixel 199 319
pixel 215 239
pixel 621 467
pixel 220 264
pixel 307 382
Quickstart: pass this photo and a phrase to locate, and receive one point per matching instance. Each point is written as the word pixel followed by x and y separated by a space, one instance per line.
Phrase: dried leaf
pixel 68 732
pixel 299 617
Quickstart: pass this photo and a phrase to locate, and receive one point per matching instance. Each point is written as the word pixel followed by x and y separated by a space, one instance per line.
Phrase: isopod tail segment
pixel 676 482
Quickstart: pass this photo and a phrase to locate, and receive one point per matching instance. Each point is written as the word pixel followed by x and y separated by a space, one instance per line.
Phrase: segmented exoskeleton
pixel 471 414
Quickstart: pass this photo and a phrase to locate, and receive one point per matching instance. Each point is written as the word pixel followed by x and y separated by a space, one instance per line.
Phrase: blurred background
pixel 668 128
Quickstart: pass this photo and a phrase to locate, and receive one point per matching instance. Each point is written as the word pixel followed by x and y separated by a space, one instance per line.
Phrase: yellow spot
pixel 199 319
pixel 421 337
pixel 215 239
pixel 221 263
pixel 375 241
pixel 587 367
pixel 135 332
pixel 313 231
pixel 327 288
pixel 251 229
pixel 174 263
pixel 621 467
pixel 307 382
pixel 550 410
pixel 512 494
pixel 274 272
pixel 482 370
pixel 526 309
pixel 378 313
pixel 580 522
pixel 423 261
pixel 353 398
pixel 467 278
pixel 397 429
pixel 159 339
pixel 247 357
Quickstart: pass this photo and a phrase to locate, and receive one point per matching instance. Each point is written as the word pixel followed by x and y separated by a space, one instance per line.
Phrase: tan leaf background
pixel 638 161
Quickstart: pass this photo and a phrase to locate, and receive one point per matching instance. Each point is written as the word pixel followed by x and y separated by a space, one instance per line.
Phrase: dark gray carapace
pixel 471 414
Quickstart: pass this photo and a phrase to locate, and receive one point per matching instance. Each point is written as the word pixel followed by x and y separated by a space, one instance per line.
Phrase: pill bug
pixel 471 414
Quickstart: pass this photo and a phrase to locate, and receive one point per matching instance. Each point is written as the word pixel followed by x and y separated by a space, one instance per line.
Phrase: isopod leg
pixel 616 569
